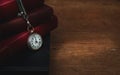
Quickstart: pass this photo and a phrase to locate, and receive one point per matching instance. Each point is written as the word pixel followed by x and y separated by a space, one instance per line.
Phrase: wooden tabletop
pixel 87 40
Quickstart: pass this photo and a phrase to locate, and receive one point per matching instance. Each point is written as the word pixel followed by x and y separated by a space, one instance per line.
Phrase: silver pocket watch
pixel 34 41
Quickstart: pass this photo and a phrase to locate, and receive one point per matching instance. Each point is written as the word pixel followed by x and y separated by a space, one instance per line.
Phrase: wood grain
pixel 87 40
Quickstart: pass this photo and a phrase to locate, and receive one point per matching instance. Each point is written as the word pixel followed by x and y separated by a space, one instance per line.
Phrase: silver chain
pixel 24 15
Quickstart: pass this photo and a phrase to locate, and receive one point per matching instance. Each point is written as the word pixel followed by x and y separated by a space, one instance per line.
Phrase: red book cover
pixel 16 52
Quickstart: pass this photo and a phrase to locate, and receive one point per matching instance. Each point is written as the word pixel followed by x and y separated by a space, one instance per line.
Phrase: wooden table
pixel 87 40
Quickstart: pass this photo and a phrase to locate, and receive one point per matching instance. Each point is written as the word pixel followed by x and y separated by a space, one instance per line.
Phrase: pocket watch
pixel 35 41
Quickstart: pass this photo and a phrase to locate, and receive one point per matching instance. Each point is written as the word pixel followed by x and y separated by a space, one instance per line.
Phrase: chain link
pixel 30 28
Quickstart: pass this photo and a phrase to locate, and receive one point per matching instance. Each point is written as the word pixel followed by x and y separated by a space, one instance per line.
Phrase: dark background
pixel 87 40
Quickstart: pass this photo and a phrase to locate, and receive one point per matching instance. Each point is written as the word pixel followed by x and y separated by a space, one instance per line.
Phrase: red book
pixel 18 42
pixel 9 8
pixel 17 25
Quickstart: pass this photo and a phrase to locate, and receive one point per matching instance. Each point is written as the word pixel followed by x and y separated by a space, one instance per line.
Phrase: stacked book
pixel 14 34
